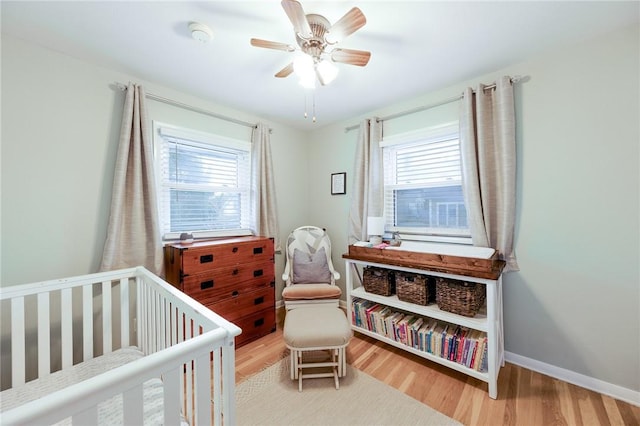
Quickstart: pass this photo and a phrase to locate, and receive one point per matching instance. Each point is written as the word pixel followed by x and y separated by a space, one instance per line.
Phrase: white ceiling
pixel 417 46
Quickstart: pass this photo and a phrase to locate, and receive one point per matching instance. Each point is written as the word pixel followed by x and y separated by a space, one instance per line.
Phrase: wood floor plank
pixel 525 398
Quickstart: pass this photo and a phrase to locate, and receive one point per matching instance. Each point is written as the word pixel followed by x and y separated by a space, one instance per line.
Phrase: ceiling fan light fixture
pixel 327 72
pixel 303 66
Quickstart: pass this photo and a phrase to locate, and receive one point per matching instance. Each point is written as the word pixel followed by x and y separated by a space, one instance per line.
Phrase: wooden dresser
pixel 234 277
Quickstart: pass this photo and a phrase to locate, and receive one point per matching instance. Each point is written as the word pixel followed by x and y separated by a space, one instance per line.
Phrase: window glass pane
pixel 439 207
pixel 199 211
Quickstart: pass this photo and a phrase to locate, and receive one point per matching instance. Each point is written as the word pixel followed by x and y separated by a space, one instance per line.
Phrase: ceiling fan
pixel 316 37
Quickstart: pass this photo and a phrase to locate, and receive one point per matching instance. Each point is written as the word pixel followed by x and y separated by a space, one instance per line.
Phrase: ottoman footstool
pixel 313 329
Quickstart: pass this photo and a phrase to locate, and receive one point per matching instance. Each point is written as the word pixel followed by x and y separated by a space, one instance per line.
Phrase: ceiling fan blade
pixel 272 45
pixel 296 15
pixel 345 26
pixel 351 57
pixel 284 72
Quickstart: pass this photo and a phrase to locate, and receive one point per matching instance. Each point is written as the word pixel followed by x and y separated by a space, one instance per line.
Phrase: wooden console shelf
pixel 488 320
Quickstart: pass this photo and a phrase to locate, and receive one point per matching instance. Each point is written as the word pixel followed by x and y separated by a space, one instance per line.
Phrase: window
pixel 203 181
pixel 423 185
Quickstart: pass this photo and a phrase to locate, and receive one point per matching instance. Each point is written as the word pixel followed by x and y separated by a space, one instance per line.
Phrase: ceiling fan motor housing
pixel 314 45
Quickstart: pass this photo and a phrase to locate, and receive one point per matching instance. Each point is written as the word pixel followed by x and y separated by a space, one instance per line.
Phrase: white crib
pixel 51 328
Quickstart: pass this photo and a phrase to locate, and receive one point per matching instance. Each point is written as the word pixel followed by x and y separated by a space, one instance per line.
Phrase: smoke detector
pixel 200 32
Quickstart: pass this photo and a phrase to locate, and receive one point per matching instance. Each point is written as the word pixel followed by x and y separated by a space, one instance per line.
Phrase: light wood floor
pixel 524 397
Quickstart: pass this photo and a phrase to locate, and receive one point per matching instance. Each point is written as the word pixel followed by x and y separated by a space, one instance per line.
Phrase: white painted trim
pixel 618 392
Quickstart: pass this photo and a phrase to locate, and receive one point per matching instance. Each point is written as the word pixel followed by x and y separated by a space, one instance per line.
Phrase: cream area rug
pixel 272 398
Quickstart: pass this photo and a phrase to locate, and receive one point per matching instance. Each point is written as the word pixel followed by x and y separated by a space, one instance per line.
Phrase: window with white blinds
pixel 204 182
pixel 423 184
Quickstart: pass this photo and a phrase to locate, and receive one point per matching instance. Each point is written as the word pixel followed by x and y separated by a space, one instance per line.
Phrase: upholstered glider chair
pixel 309 276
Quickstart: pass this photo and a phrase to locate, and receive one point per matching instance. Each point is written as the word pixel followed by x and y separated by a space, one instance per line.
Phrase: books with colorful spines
pixel 480 353
pixel 451 341
pixel 392 322
pixel 422 335
pixel 471 342
pixel 414 340
pixel 475 358
pixel 403 326
pixel 381 317
pixel 370 315
pixel 430 337
pixel 442 340
pixel 485 361
pixel 460 342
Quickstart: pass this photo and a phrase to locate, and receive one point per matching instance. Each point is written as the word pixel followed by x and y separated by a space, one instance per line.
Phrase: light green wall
pixel 575 302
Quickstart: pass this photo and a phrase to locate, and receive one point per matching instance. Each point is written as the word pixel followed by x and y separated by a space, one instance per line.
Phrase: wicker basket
pixel 379 281
pixel 460 297
pixel 415 288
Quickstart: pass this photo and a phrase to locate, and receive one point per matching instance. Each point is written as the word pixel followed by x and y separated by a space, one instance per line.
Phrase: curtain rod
pixel 151 96
pixel 513 79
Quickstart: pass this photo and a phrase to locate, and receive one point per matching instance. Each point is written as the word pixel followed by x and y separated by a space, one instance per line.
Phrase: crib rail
pixel 186 345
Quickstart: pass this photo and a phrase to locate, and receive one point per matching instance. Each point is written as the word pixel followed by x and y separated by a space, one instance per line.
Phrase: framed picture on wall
pixel 338 183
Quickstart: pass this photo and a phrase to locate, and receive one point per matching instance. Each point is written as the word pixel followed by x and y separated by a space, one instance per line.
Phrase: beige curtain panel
pixel 133 235
pixel 265 215
pixel 367 189
pixel 487 139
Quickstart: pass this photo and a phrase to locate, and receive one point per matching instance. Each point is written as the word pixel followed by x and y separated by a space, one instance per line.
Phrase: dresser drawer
pixel 256 325
pixel 244 303
pixel 223 280
pixel 199 259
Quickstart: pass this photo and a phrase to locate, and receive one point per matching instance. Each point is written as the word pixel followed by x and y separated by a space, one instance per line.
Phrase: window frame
pixel 438 133
pixel 163 131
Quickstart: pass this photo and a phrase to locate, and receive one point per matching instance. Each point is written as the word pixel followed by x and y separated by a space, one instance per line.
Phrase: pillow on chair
pixel 310 268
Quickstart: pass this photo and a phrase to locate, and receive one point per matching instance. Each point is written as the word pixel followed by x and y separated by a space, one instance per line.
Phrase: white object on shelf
pixel 488 320
pixel 446 249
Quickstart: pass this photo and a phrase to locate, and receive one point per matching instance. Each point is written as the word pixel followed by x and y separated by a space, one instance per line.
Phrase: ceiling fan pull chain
pixel 305 105
pixel 314 107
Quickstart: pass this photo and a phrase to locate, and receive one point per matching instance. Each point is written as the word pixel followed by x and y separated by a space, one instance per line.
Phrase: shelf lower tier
pixel 479 322
pixel 447 363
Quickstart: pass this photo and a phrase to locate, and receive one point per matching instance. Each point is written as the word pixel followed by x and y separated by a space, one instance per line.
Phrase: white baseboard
pixel 596 385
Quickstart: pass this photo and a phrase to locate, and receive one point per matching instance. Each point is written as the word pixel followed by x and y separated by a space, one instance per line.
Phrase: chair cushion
pixel 316 328
pixel 311 291
pixel 310 268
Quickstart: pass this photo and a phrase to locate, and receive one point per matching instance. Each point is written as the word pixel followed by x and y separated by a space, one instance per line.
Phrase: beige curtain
pixel 133 235
pixel 367 193
pixel 265 215
pixel 487 135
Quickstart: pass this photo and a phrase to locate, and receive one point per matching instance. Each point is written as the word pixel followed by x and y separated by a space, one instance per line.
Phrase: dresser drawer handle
pixel 207 258
pixel 257 250
pixel 259 322
pixel 206 284
pixel 257 273
pixel 235 272
pixel 258 300
pixel 235 293
pixel 234 250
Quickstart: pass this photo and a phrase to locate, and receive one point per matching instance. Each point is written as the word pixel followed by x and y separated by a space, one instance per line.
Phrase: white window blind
pixel 204 182
pixel 423 184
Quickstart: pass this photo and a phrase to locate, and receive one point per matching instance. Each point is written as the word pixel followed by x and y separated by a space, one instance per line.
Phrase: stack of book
pixel 449 341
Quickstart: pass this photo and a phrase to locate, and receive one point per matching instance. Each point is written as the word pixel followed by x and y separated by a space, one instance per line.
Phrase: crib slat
pixel 44 338
pixel 17 342
pixel 171 393
pixel 87 322
pixel 203 391
pixel 124 313
pixel 66 327
pixel 217 387
pixel 107 328
pixel 132 401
